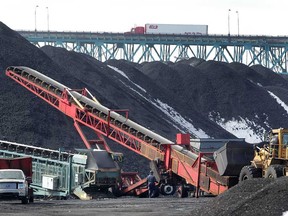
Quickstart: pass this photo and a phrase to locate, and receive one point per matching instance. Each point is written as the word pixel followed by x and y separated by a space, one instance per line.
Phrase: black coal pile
pixel 203 98
pixel 241 99
pixel 251 197
pixel 24 118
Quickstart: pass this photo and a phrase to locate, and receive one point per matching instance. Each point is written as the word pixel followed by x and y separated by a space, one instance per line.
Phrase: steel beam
pixel 268 51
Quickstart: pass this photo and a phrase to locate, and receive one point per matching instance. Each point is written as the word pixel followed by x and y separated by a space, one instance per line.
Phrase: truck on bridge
pixel 176 29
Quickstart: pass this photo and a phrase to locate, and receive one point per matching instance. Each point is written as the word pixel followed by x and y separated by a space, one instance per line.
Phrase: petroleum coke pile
pixel 251 197
pixel 203 98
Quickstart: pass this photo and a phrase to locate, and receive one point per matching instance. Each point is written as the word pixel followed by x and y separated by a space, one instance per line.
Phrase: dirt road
pixel 167 206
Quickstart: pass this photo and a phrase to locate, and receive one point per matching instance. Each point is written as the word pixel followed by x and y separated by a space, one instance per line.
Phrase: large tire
pixel 116 191
pixel 156 192
pixel 182 191
pixel 31 195
pixel 275 171
pixel 249 172
pixel 166 189
pixel 25 200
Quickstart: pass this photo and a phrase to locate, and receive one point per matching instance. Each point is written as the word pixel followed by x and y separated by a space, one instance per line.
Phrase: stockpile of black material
pixel 227 91
pixel 25 118
pixel 251 197
pixel 201 92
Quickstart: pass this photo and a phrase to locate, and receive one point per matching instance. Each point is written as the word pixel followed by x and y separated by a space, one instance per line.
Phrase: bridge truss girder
pixel 269 55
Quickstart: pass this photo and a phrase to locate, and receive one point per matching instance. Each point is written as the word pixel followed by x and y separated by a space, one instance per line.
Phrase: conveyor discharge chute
pixel 99 160
pixel 231 157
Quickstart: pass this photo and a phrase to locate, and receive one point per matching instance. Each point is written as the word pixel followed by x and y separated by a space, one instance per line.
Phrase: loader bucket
pixel 231 157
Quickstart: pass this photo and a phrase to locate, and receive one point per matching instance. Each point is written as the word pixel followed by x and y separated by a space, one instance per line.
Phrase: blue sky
pixel 256 17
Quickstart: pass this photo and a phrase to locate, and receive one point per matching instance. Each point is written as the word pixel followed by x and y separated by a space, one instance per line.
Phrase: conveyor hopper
pixel 99 160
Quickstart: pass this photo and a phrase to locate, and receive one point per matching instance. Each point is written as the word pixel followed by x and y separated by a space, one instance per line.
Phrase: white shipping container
pixel 176 29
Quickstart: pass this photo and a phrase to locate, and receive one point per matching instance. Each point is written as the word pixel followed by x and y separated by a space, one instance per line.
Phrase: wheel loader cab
pixel 279 143
pixel 284 151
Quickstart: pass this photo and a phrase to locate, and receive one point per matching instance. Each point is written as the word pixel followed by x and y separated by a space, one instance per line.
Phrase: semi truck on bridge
pixel 175 29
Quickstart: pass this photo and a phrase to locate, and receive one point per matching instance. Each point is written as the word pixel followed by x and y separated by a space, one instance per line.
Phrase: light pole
pixel 229 22
pixel 238 21
pixel 47 18
pixel 36 18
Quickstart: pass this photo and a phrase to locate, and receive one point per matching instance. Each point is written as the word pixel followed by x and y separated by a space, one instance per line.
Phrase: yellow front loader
pixel 270 157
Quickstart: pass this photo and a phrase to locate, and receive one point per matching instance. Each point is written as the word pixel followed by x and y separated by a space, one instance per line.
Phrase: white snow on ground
pixel 240 128
pixel 124 75
pixel 259 84
pixel 279 101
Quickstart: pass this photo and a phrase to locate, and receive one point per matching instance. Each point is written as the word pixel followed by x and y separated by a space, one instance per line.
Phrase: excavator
pixel 270 157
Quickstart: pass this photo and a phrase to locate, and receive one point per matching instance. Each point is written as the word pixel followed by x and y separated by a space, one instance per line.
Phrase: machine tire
pixel 275 171
pixel 182 191
pixel 156 192
pixel 249 172
pixel 25 200
pixel 167 189
pixel 31 195
pixel 116 191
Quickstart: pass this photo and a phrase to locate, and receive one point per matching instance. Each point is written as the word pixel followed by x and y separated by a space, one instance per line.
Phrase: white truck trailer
pixel 176 29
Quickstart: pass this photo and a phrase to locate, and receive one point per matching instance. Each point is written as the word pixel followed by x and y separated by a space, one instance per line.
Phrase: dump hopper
pixel 231 157
pixel 99 160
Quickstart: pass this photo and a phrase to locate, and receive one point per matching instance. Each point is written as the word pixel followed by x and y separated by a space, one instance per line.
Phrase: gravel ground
pixel 252 198
pixel 168 206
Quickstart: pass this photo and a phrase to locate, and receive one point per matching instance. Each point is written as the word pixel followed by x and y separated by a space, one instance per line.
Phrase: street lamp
pixel 47 18
pixel 229 22
pixel 238 21
pixel 35 17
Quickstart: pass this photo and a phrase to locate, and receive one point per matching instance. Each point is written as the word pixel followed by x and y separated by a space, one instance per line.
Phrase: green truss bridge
pixel 268 51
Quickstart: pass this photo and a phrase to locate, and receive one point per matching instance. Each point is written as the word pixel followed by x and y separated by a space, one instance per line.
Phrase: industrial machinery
pixel 57 173
pixel 176 164
pixel 271 157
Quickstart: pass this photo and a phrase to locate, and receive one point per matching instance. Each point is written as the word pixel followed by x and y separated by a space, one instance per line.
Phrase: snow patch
pixel 118 71
pixel 279 101
pixel 176 117
pixel 240 128
pixel 124 75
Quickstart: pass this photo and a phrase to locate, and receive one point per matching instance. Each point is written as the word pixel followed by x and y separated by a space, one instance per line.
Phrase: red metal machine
pixel 23 163
pixel 174 163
